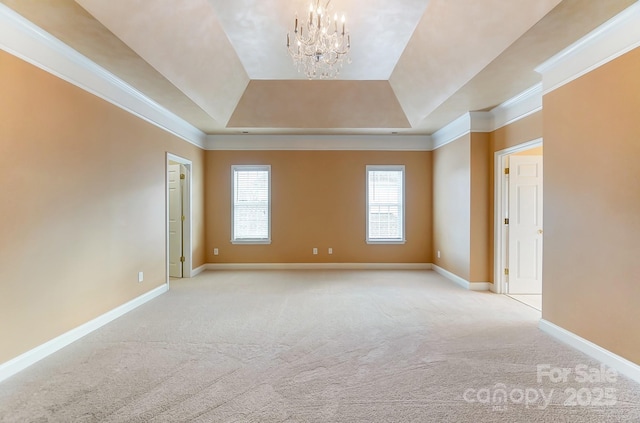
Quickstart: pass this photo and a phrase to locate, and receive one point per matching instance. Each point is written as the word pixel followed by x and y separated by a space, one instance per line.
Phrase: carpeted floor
pixel 532 300
pixel 320 346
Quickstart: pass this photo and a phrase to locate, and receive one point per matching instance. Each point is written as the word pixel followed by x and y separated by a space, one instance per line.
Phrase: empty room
pixel 325 211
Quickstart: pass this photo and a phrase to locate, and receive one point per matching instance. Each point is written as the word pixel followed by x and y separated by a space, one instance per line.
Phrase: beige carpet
pixel 343 346
pixel 532 300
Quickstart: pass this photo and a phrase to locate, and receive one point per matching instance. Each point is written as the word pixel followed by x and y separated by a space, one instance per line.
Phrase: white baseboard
pixel 622 365
pixel 318 266
pixel 195 272
pixel 36 354
pixel 471 286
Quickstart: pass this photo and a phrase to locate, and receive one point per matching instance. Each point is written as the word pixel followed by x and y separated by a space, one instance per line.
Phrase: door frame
pixel 187 267
pixel 499 211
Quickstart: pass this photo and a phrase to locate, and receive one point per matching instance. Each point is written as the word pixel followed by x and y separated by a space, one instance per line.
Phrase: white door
pixel 525 225
pixel 175 221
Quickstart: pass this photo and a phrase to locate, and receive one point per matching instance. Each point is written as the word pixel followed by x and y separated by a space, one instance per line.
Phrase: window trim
pixel 403 238
pixel 255 241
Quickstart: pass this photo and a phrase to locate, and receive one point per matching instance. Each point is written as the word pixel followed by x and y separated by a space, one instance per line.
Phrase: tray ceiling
pixel 416 64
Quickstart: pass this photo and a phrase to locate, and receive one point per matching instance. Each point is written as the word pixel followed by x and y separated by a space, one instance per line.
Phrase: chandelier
pixel 320 44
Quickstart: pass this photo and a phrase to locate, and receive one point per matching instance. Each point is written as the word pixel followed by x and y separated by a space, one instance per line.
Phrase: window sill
pixel 386 241
pixel 251 241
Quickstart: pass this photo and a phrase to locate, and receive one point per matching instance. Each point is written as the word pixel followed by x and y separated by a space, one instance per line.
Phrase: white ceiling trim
pixel 481 122
pixel 520 106
pixel 456 129
pixel 320 142
pixel 464 125
pixel 610 40
pixel 23 39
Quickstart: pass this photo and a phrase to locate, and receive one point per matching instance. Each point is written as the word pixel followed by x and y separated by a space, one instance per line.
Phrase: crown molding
pixel 451 132
pixel 519 107
pixel 23 39
pixel 610 40
pixel 481 122
pixel 464 125
pixel 320 142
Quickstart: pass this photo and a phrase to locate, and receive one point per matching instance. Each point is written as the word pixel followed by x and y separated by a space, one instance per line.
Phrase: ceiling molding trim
pixel 454 130
pixel 464 125
pixel 320 142
pixel 481 122
pixel 519 107
pixel 23 39
pixel 610 40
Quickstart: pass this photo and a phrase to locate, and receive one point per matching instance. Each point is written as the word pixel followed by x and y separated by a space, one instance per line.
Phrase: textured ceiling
pixel 417 64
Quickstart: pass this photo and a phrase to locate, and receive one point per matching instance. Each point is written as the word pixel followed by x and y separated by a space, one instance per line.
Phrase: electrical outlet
pixel 315 251
pixel 330 250
pixel 215 251
pixel 438 253
pixel 140 276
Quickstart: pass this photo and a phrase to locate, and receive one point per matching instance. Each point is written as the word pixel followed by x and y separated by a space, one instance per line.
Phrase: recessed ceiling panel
pixel 319 104
pixel 380 29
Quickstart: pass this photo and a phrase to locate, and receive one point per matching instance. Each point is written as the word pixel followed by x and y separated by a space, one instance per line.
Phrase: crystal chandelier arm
pixel 321 49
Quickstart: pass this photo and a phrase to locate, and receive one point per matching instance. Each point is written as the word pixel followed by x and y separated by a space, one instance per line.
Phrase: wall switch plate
pixel 330 250
pixel 438 253
pixel 215 251
pixel 140 276
pixel 315 251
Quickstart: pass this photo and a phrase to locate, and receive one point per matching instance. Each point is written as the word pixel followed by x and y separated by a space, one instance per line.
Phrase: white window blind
pixel 385 204
pixel 251 204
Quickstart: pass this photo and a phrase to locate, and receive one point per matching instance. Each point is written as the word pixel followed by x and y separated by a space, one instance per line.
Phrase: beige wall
pixel 463 196
pixel 591 271
pixel 318 200
pixel 83 207
pixel 481 253
pixel 452 206
pixel 527 129
pixel 461 207
pixel 536 151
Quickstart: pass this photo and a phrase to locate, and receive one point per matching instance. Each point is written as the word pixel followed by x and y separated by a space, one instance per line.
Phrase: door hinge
pixel 183 218
pixel 506 170
pixel 182 176
pixel 182 259
pixel 506 272
pixel 506 221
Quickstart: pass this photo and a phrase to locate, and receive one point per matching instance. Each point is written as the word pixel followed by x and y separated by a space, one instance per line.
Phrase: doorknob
pixel 539 231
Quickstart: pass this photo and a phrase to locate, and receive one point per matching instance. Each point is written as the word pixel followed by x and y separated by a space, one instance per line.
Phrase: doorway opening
pixel 518 224
pixel 178 217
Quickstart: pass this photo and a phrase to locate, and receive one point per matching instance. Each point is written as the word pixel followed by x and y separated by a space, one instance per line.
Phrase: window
pixel 251 214
pixel 385 204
